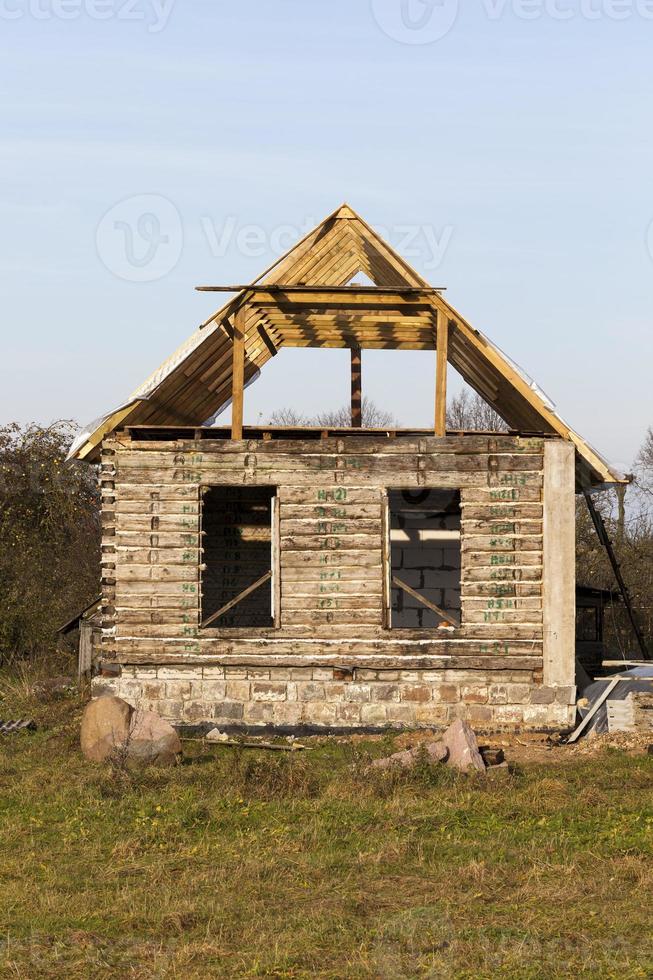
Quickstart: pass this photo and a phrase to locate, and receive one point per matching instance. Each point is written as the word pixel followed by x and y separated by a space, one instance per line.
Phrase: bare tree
pixel 644 464
pixel 468 411
pixel 373 417
pixel 288 417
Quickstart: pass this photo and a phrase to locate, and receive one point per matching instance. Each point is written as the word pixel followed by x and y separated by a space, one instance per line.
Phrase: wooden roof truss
pixel 306 300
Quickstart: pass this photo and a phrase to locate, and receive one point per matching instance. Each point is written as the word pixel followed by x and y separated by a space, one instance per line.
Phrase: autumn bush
pixel 49 537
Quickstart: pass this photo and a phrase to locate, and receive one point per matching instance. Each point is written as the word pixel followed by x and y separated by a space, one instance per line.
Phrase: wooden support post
pixel 442 344
pixel 356 389
pixel 238 374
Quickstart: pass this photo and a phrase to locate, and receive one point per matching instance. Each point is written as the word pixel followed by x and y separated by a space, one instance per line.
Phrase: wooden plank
pixel 239 598
pixel 442 347
pixel 238 375
pixel 276 561
pixel 603 696
pixel 356 389
pixel 449 618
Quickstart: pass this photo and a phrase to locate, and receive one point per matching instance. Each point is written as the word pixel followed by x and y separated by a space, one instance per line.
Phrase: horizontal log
pixel 186 523
pixel 349 478
pixel 157 573
pixel 489 617
pixel 502 543
pixel 328 617
pixel 328 559
pixel 182 602
pixel 499 589
pixel 185 493
pixel 330 512
pixel 125 504
pixel 331 542
pixel 499 526
pixel 315 586
pixel 158 540
pixel 155 556
pixel 502 510
pixel 489 495
pixel 486 559
pixel 125 588
pixel 408 641
pixel 500 602
pixel 353 603
pixel 324 526
pixel 325 495
pixel 497 576
pixel 311 576
pixel 340 442
pixel 362 660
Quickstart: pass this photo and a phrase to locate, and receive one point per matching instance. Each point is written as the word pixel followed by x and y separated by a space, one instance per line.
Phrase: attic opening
pixel 238 557
pixel 425 558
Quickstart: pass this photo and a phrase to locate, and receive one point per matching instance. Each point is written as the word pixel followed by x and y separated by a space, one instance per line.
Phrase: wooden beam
pixel 239 598
pixel 442 345
pixel 449 618
pixel 346 290
pixel 238 374
pixel 356 389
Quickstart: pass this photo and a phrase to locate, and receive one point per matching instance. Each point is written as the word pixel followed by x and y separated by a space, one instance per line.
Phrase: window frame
pixel 447 626
pixel 214 629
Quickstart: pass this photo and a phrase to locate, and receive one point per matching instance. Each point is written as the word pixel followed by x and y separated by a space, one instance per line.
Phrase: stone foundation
pixel 327 699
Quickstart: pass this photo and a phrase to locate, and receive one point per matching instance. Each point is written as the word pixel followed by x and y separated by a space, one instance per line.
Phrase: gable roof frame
pixel 194 384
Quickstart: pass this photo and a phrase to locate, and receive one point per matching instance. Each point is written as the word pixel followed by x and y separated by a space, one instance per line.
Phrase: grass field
pixel 253 864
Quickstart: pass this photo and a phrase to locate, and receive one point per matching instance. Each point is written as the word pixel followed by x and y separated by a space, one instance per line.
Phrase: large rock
pixel 460 739
pixel 111 727
pixel 152 740
pixel 433 751
pixel 105 727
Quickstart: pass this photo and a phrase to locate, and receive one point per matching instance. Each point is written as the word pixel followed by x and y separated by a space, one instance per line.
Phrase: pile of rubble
pixel 458 748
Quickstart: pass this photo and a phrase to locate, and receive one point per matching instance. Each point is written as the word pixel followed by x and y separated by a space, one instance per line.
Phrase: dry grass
pixel 246 864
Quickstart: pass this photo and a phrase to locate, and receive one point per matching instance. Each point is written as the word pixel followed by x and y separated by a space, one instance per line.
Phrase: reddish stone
pixel 460 739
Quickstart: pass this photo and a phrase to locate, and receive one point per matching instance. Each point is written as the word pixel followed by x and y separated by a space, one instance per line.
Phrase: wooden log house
pixel 301 579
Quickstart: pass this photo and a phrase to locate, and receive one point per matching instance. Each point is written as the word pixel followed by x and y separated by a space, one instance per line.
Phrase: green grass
pixel 253 864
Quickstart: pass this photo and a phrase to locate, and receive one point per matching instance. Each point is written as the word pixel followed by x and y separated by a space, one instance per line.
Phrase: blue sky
pixel 506 147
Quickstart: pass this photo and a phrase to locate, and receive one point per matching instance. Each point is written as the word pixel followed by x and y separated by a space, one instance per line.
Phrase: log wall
pixel 331 584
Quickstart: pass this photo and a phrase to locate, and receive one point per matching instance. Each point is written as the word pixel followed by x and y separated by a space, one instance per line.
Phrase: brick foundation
pixel 304 698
